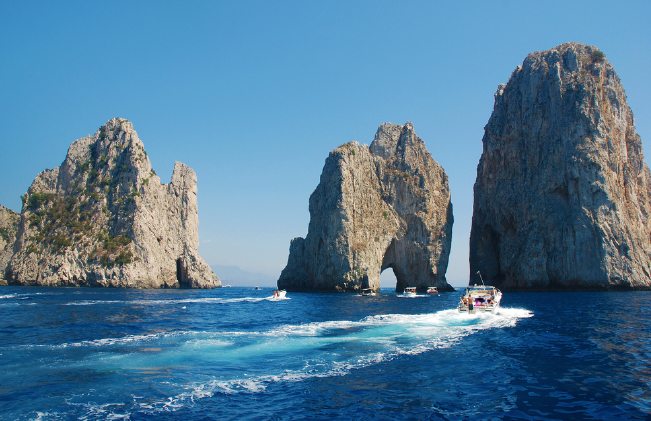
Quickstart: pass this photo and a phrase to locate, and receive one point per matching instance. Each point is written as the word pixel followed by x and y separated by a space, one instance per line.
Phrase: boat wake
pixel 171 302
pixel 294 353
pixel 285 353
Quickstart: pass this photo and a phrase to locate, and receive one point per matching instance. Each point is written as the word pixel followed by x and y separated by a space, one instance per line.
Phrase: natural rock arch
pixel 387 205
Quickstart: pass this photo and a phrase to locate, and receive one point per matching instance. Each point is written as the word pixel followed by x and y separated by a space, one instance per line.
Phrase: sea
pixel 239 354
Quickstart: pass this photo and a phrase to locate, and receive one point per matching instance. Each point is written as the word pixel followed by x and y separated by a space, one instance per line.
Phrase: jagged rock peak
pixel 378 207
pixel 103 218
pixel 562 197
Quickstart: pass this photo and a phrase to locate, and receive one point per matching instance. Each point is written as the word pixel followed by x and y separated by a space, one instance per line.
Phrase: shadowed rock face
pixel 387 205
pixel 562 197
pixel 8 230
pixel 103 218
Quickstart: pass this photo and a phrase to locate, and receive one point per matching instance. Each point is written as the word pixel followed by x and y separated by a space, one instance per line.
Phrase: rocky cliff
pixel 562 197
pixel 8 230
pixel 387 205
pixel 103 218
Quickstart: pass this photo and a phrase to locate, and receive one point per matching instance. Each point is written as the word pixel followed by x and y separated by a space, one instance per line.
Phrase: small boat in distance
pixel 367 292
pixel 279 294
pixel 410 291
pixel 257 287
pixel 432 290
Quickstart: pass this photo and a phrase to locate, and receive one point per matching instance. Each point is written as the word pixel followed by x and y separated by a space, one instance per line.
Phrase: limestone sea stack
pixel 377 207
pixel 8 230
pixel 562 200
pixel 103 218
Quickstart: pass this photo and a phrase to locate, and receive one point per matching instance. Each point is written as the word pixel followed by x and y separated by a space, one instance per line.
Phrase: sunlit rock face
pixel 562 197
pixel 103 218
pixel 378 207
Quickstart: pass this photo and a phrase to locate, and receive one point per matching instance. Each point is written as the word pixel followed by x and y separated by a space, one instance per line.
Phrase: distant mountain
pixel 233 275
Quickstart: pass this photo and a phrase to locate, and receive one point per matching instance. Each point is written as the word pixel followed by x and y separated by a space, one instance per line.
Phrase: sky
pixel 253 95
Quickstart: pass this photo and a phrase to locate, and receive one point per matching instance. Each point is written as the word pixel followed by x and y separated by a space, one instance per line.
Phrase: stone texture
pixel 387 205
pixel 103 218
pixel 8 230
pixel 562 198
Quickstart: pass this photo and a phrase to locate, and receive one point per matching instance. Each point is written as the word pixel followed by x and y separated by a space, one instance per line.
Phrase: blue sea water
pixel 237 354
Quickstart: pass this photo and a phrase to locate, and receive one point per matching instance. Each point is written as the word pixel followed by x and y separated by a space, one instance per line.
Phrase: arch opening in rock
pixel 181 273
pixel 389 261
pixel 388 278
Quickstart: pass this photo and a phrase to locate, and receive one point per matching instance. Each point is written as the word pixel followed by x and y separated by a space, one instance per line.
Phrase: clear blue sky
pixel 254 95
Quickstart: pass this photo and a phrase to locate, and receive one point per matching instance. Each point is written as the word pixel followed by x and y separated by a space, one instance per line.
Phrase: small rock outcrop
pixel 562 198
pixel 103 218
pixel 387 205
pixel 8 230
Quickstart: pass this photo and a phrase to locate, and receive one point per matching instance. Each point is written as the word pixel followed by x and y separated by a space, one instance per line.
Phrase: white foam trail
pixel 90 302
pixel 378 339
pixel 135 339
pixel 452 326
pixel 169 302
pixel 7 296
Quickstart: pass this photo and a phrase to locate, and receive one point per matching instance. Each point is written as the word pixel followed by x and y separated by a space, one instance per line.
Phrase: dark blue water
pixel 236 354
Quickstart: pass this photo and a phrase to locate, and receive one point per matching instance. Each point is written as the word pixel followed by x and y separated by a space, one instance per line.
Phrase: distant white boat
pixel 279 294
pixel 257 287
pixel 367 292
pixel 432 290
pixel 227 286
pixel 409 291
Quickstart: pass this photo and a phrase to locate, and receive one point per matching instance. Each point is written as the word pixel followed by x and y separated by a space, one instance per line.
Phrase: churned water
pixel 237 354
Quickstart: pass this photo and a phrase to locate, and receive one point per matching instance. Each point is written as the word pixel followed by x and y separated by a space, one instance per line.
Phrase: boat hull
pixel 479 309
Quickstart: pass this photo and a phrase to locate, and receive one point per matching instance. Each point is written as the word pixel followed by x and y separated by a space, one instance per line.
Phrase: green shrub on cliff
pixel 34 219
pixel 37 199
pixel 598 55
pixel 4 234
pixel 124 258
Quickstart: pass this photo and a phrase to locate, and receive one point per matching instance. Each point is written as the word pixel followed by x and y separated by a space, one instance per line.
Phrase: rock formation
pixel 375 208
pixel 562 198
pixel 8 229
pixel 105 219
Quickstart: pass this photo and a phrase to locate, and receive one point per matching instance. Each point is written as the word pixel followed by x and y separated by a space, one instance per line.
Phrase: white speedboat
pixel 480 299
pixel 410 291
pixel 279 294
pixel 367 292
pixel 432 290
